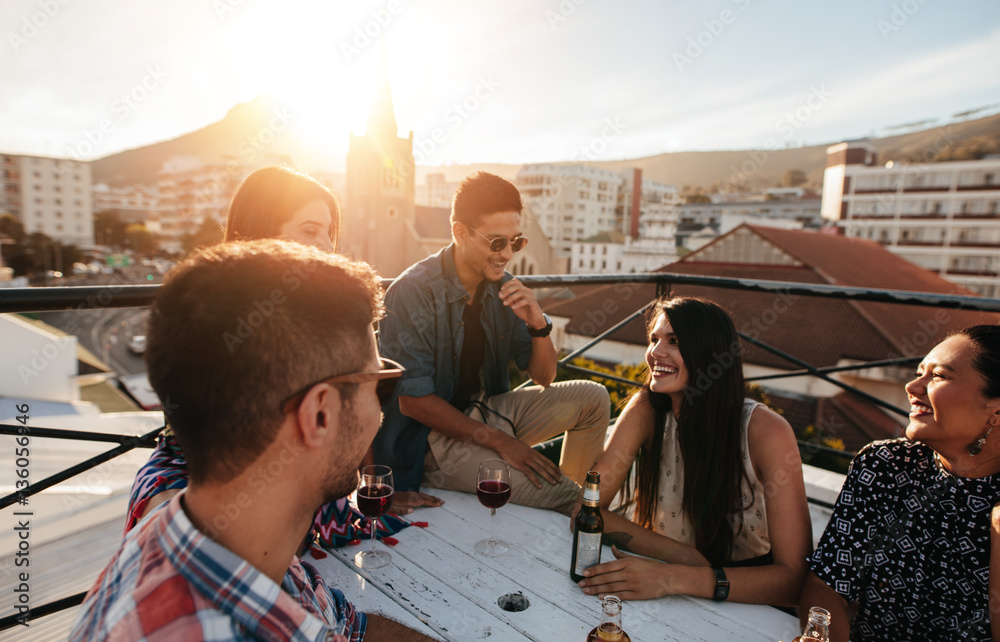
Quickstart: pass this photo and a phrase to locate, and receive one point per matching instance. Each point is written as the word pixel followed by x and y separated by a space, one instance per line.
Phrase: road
pixel 106 334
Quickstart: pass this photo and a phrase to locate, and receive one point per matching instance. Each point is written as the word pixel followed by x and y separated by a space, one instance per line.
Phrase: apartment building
pixel 645 235
pixel 435 191
pixel 132 204
pixel 944 217
pixel 570 202
pixel 48 195
pixel 780 205
pixel 192 189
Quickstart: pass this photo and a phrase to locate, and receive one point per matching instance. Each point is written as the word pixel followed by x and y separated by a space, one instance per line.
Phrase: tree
pixel 109 229
pixel 11 227
pixel 697 198
pixel 793 178
pixel 142 240
pixel 209 232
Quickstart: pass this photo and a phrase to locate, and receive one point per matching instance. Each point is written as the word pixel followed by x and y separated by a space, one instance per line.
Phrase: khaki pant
pixel 580 409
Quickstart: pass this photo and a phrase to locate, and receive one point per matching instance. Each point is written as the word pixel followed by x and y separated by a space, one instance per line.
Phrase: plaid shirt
pixel 169 582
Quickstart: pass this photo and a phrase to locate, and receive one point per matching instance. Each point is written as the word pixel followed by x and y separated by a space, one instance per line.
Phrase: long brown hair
pixel 268 197
pixel 709 428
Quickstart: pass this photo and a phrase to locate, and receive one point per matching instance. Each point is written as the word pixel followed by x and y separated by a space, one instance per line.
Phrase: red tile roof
pixel 819 331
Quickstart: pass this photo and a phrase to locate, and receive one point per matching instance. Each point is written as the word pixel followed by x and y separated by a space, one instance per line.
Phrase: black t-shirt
pixel 470 365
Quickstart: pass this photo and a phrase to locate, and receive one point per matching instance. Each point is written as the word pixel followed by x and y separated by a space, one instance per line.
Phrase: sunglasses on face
pixel 498 243
pixel 387 377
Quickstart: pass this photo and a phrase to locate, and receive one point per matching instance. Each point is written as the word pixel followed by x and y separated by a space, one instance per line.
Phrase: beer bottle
pixel 817 627
pixel 587 529
pixel 610 629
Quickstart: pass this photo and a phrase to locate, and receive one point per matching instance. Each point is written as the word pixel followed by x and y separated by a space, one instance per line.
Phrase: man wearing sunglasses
pixel 456 321
pixel 272 428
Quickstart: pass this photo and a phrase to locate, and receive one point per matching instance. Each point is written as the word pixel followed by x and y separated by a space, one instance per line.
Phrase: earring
pixel 977 446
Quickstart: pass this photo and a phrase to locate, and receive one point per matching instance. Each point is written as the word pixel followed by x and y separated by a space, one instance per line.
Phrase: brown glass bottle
pixel 610 628
pixel 587 529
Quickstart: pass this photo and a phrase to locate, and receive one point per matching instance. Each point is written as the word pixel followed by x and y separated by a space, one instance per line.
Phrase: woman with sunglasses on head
pixel 271 202
pixel 912 551
pixel 717 489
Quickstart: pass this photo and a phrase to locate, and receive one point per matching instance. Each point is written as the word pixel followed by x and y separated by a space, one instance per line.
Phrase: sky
pixel 516 81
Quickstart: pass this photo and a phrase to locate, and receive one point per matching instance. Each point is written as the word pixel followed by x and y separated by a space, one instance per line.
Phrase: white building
pixel 942 216
pixel 570 202
pixel 48 195
pixel 645 234
pixel 191 190
pixel 784 205
pixel 132 204
pixel 435 191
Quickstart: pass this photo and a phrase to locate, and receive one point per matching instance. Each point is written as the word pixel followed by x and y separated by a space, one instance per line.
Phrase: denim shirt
pixel 423 331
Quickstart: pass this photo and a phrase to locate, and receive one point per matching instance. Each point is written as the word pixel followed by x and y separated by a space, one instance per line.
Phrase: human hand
pixel 404 501
pixel 529 461
pixel 629 577
pixel 521 299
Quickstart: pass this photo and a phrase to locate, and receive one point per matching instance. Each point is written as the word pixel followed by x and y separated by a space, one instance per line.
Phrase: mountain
pixel 261 129
pixel 255 130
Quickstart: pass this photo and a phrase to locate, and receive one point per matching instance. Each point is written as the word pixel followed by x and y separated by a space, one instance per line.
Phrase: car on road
pixel 137 344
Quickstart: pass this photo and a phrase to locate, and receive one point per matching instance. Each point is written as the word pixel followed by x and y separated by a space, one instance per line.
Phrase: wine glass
pixel 493 490
pixel 374 500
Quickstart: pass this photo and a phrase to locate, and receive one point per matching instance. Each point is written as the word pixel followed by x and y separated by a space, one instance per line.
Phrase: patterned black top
pixel 910 543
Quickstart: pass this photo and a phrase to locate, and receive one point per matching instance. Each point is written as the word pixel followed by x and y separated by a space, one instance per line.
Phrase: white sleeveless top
pixel 670 519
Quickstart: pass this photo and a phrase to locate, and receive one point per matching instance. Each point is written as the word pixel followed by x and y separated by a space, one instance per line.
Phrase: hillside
pixel 247 133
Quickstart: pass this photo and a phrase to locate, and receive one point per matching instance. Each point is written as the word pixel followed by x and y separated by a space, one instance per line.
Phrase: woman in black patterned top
pixel 914 541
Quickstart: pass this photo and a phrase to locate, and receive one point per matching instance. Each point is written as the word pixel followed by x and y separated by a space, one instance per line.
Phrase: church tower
pixel 379 213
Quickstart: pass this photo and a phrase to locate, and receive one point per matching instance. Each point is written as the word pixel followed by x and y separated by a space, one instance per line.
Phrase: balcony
pixel 93 299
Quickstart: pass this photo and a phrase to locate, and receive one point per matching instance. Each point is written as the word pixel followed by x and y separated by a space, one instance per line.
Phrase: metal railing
pixel 84 298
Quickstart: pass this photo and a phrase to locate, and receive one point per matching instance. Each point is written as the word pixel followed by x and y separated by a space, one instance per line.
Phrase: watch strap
pixel 721 585
pixel 542 332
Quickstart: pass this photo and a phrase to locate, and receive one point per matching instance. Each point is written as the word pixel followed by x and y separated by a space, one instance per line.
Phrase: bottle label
pixel 591 495
pixel 588 551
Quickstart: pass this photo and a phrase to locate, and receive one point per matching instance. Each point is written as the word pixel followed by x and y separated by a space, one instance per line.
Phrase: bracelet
pixel 721 585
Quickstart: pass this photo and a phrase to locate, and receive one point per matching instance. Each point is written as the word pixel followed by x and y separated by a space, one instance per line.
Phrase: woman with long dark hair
pixel 717 487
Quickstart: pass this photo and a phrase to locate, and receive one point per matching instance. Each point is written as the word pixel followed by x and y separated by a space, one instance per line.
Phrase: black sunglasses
pixel 499 243
pixel 388 376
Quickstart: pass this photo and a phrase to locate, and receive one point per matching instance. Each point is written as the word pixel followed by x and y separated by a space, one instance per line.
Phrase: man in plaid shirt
pixel 264 356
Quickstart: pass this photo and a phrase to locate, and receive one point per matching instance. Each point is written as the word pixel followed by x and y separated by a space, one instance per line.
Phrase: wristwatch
pixel 542 332
pixel 721 585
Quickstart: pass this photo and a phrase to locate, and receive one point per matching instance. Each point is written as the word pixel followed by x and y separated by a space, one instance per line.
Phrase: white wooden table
pixel 437 584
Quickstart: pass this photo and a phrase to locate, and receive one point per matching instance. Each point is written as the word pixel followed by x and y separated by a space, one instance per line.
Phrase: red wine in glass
pixel 375 500
pixel 493 490
pixel 493 493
